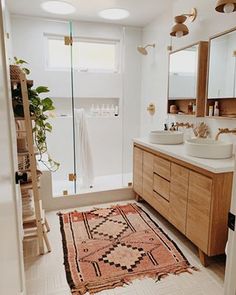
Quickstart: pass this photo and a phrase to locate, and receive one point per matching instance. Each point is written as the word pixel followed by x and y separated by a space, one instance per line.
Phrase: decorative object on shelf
pixel 225 131
pixel 143 49
pixel 173 109
pixel 216 109
pixel 17 67
pixel 201 130
pixel 211 110
pixel 151 109
pixel 39 108
pixel 225 6
pixel 180 29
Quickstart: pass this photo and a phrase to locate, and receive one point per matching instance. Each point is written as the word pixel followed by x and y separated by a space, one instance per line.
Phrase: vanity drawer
pixel 162 167
pixel 161 205
pixel 161 186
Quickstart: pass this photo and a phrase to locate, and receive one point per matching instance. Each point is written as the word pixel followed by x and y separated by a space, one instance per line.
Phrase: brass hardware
pixel 176 126
pixel 72 177
pixel 180 29
pixel 151 109
pixel 68 40
pixel 221 6
pixel 143 49
pixel 65 193
pixel 225 131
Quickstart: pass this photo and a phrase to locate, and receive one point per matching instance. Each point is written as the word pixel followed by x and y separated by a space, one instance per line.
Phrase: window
pixel 89 55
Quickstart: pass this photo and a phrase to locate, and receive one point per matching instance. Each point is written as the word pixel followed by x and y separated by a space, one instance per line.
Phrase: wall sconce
pixel 226 6
pixel 180 29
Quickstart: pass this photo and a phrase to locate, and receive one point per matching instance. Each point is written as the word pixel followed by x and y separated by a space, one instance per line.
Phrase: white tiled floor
pixel 45 275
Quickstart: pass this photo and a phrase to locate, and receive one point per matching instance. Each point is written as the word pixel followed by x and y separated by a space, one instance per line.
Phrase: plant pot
pixel 15 72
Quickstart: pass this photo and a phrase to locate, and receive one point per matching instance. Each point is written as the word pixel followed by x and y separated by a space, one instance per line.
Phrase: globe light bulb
pixel 179 34
pixel 229 7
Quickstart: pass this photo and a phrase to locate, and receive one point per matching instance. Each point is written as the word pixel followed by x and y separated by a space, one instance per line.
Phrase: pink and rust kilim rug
pixel 107 248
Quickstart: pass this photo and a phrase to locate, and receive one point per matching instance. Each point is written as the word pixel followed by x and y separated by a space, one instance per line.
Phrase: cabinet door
pixel 198 210
pixel 178 196
pixel 148 176
pixel 138 171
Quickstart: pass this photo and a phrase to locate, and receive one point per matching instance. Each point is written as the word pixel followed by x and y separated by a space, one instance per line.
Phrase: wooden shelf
pixel 221 117
pixel 29 82
pixel 23 118
pixel 35 226
pixel 32 218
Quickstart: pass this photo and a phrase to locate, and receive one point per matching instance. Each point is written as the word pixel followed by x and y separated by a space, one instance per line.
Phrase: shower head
pixel 143 50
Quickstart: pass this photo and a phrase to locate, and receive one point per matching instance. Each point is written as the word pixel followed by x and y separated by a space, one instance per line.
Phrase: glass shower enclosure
pixel 93 74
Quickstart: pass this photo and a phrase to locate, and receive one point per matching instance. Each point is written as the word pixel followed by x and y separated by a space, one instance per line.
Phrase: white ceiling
pixel 141 11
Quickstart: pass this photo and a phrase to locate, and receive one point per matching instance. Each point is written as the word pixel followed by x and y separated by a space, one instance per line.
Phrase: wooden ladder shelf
pixel 35 226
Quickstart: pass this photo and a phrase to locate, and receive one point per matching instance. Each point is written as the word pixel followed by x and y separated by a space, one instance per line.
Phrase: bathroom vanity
pixel 193 194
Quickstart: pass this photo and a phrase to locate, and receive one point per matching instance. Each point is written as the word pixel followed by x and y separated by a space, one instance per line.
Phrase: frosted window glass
pixel 87 55
pixel 58 54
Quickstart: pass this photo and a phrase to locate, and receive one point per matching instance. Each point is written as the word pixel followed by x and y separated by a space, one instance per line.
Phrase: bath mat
pixel 107 248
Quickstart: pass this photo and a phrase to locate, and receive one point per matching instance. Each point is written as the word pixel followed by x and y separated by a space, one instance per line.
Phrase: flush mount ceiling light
pixel 58 7
pixel 180 29
pixel 114 13
pixel 143 50
pixel 226 6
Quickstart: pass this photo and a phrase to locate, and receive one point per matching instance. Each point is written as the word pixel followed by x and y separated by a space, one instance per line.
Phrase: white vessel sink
pixel 208 148
pixel 166 137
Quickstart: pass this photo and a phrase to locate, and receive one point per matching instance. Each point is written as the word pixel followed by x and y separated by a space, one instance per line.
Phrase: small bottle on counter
pixel 116 111
pixel 210 111
pixel 216 109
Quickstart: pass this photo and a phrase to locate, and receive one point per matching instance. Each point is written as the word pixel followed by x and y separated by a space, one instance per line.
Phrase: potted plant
pixel 39 108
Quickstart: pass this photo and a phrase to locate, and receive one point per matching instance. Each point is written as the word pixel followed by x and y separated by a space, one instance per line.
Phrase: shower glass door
pixel 98 118
pixel 59 73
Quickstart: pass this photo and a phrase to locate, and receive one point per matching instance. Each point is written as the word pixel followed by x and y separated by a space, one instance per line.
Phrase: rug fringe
pixel 94 288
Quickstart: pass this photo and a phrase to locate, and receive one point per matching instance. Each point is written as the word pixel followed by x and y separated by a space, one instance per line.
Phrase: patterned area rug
pixel 107 248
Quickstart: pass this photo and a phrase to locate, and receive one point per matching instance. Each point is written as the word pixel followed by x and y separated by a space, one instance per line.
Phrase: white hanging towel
pixel 85 161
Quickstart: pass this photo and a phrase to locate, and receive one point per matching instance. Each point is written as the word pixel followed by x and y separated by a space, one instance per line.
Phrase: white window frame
pixel 116 42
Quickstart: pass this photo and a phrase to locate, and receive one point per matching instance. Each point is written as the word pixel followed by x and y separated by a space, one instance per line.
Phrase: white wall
pixel 11 253
pixel 111 139
pixel 155 66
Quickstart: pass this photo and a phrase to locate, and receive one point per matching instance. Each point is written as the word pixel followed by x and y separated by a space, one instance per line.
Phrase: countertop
pixel 178 151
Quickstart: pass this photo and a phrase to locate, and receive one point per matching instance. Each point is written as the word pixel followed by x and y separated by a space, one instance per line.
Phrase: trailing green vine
pixel 39 108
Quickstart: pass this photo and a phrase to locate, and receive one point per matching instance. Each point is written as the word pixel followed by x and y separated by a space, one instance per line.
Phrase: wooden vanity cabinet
pixel 138 171
pixel 194 200
pixel 179 196
pixel 199 210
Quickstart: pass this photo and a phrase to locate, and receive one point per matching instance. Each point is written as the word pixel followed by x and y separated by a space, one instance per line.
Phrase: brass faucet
pixel 225 131
pixel 176 126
